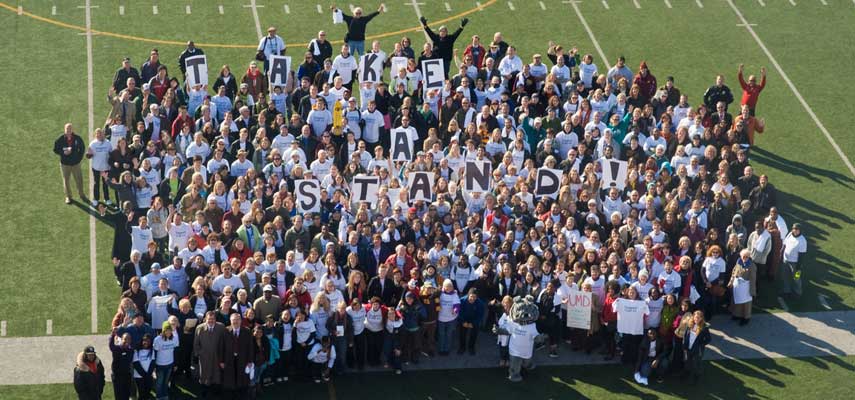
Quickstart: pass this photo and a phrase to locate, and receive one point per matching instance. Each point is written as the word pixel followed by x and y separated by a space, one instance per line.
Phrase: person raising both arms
pixel 356 24
pixel 751 90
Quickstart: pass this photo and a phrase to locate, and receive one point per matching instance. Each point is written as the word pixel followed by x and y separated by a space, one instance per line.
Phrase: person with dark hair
pixel 88 375
pixel 122 365
pixel 471 314
pixel 443 42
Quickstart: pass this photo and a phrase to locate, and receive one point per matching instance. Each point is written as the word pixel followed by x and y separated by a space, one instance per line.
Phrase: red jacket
pixel 179 122
pixel 609 314
pixel 750 94
pixel 409 264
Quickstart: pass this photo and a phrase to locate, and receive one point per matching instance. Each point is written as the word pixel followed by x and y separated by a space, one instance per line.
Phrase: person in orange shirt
pixel 746 123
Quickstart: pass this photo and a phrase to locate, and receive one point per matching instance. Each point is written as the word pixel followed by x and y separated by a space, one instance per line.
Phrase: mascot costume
pixel 522 331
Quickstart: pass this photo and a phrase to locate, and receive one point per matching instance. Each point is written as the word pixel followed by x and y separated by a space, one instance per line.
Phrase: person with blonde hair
pixel 695 341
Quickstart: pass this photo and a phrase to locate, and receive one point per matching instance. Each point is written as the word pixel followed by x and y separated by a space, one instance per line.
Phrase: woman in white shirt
pixel 712 269
pixel 164 347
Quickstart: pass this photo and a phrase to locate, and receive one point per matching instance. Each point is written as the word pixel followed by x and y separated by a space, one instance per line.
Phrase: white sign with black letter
pixel 434 73
pixel 420 186
pixel 370 68
pixel 548 182
pixel 365 189
pixel 397 64
pixel 614 174
pixel 478 176
pixel 197 70
pixel 308 195
pixel 280 67
pixel 402 145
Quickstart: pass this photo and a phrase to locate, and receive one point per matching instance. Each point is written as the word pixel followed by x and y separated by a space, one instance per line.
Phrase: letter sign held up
pixel 370 68
pixel 402 145
pixel 280 67
pixel 548 182
pixel 365 189
pixel 197 70
pixel 478 176
pixel 421 186
pixel 434 73
pixel 308 195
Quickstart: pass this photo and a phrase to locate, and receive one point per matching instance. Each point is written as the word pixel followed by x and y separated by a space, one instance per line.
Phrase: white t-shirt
pixel 521 343
pixel 100 155
pixel 630 315
pixel 587 72
pixel 655 308
pixel 793 246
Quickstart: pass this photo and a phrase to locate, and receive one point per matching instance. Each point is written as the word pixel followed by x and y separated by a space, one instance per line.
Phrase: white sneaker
pixel 644 381
pixel 637 377
pixel 94 204
pixel 108 202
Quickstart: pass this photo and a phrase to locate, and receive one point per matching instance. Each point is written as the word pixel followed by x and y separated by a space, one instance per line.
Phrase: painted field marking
pixel 637 4
pixel 21 10
pixel 2 328
pixel 542 6
pixel 825 3
pixel 121 10
pixel 447 7
pixel 606 5
pixel 511 6
pixel 700 5
pixel 590 34
pixel 793 2
pixel 668 4
pixel 287 9
pixel 418 11
pixel 762 3
pixel 49 327
pixel 795 91
pixel 187 9
pixel 90 100
pixel 53 10
pixel 254 8
pixel 154 9
pixel 320 9
pixel 479 6
pixel 823 301
pixel 220 9
pixel 743 25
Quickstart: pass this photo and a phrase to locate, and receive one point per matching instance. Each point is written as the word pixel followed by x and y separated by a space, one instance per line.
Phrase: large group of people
pixel 225 281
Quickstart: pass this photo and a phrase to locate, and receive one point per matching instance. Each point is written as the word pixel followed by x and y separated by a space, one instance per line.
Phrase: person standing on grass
pixel 98 154
pixel 70 148
pixel 695 341
pixel 356 24
pixel 751 90
pixel 88 375
pixel 443 42
pixel 164 349
pixel 718 93
pixel 795 245
pixel 271 45
pixel 122 366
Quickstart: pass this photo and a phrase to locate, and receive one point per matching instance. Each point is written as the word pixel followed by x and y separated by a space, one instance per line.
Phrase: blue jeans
pixel 445 332
pixel 356 46
pixel 161 386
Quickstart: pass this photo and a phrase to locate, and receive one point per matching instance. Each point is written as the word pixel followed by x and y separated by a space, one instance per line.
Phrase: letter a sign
pixel 279 70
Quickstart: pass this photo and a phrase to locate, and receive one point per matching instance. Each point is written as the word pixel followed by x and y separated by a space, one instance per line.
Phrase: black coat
pixel 88 384
pixel 386 293
pixel 237 353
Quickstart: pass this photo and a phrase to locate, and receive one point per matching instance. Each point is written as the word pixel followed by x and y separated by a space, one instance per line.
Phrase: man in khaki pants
pixel 70 148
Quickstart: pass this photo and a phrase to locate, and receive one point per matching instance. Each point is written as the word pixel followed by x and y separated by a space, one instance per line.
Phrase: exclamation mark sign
pixel 614 170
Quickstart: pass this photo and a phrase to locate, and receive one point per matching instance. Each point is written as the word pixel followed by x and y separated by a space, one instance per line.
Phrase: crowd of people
pixel 225 282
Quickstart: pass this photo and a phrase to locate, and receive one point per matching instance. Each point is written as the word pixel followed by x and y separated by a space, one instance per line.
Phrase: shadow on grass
pixel 809 172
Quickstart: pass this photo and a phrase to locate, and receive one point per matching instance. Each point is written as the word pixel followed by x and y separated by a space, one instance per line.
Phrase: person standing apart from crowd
pixel 744 273
pixel 89 375
pixel 795 245
pixel 270 45
pixel 751 90
pixel 695 341
pixel 70 148
pixel 356 24
pixel 443 42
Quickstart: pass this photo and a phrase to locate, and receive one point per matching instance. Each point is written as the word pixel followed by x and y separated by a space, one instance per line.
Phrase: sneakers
pixel 397 372
pixel 553 354
pixel 94 203
pixel 317 380
pixel 68 200
pixel 640 379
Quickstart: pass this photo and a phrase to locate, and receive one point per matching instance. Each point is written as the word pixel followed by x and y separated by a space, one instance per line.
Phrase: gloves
pixel 464 22
pixel 423 20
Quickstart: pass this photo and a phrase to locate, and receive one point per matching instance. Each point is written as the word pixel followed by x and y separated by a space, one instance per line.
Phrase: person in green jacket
pixel 534 131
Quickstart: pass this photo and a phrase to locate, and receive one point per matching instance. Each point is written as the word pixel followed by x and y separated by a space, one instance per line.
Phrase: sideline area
pixel 48 360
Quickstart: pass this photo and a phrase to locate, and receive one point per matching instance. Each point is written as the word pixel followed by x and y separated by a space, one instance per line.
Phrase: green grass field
pixel 47 243
pixel 784 379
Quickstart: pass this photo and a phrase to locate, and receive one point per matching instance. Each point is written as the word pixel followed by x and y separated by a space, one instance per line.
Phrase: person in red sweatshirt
pixel 751 90
pixel 645 81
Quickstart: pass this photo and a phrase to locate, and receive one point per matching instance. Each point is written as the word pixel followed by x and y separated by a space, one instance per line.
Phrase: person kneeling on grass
pixel 322 357
pixel 652 358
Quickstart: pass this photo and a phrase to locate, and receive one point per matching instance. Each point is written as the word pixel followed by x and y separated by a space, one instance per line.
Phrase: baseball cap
pixel 89 350
pixel 268 288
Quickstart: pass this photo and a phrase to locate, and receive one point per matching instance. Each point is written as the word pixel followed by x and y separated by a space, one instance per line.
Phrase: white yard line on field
pixel 825 3
pixel 220 9
pixel 254 8
pixel 795 91
pixel 637 4
pixel 90 100
pixel 154 9
pixel 2 328
pixel 793 2
pixel 542 6
pixel 418 11
pixel 287 9
pixel 700 5
pixel 606 5
pixel 121 10
pixel 49 327
pixel 187 9
pixel 590 34
pixel 511 6
pixel 762 3
pixel 668 4
pixel 53 10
